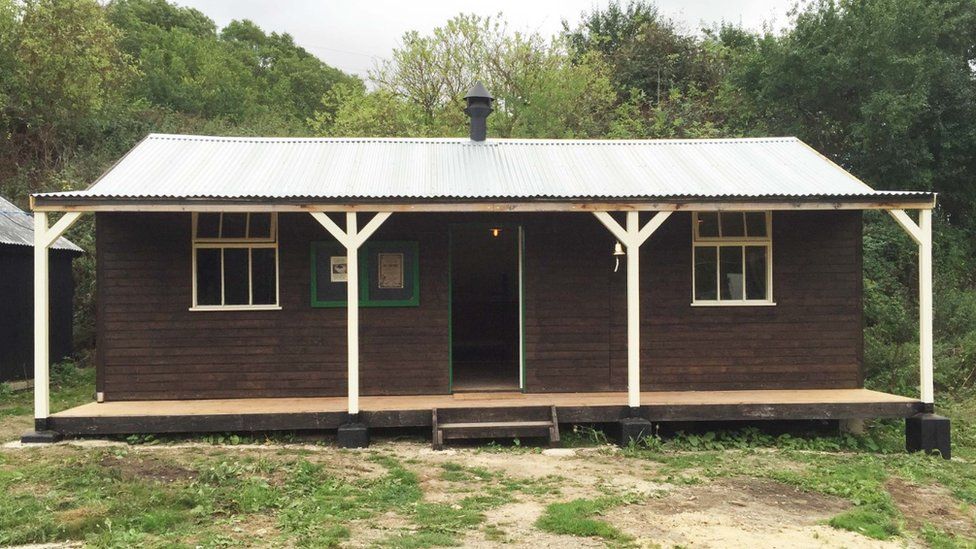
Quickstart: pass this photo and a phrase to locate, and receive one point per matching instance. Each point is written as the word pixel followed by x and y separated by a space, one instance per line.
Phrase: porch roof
pixel 182 169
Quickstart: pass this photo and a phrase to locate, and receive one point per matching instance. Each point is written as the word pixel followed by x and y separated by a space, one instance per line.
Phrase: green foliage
pixel 539 90
pixel 575 518
pixel 870 523
pixel 240 73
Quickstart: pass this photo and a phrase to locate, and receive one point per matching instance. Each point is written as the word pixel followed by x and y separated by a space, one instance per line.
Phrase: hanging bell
pixel 618 250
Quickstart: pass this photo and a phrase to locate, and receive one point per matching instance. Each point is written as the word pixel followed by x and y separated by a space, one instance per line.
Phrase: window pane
pixel 208 225
pixel 730 258
pixel 756 223
pixel 756 272
pixel 235 276
pixel 233 225
pixel 259 225
pixel 263 276
pixel 208 276
pixel 731 224
pixel 705 272
pixel 708 224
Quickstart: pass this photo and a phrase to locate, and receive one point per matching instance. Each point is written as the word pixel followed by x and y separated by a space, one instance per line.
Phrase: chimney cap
pixel 478 91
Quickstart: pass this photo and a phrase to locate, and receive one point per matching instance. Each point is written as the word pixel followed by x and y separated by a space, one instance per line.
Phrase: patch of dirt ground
pixel 740 512
pixel 133 466
pixel 512 524
pixel 930 504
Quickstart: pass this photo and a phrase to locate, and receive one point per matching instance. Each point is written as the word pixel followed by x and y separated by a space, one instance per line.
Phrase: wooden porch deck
pixel 270 414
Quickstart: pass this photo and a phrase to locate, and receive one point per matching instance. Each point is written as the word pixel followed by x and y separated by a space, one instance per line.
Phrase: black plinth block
pixel 928 433
pixel 634 429
pixel 353 435
pixel 40 437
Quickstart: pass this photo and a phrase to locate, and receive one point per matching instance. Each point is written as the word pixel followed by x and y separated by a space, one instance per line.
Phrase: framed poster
pixel 390 275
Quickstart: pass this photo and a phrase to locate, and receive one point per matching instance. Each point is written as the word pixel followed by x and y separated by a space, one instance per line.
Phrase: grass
pixel 71 385
pixel 576 518
pixel 155 494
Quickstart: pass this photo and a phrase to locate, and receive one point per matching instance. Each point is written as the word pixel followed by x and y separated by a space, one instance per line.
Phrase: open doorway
pixel 485 308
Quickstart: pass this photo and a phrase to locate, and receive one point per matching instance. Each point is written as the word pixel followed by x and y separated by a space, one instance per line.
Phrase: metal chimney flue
pixel 479 107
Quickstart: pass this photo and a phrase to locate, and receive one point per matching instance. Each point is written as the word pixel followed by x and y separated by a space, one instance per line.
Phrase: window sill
pixel 733 303
pixel 236 308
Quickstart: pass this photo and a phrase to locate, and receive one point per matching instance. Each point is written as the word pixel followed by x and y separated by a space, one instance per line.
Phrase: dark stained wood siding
pixel 17 316
pixel 811 338
pixel 152 346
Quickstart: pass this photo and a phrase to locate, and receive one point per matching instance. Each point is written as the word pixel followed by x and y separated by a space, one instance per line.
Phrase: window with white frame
pixel 235 260
pixel 732 259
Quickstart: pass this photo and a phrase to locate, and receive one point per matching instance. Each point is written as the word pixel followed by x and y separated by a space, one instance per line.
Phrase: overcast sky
pixel 350 34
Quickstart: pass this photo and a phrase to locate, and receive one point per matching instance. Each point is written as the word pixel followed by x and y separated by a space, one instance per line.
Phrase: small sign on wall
pixel 339 268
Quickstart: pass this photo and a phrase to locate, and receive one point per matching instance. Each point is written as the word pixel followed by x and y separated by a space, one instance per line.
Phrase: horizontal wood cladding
pixel 150 346
pixel 576 332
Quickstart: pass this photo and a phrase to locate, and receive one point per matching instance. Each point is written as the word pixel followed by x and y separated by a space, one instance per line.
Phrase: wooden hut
pixel 480 285
pixel 16 283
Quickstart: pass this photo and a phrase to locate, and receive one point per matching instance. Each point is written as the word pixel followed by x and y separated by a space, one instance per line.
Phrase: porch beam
pixel 632 237
pixel 43 238
pixel 495 207
pixel 352 238
pixel 921 233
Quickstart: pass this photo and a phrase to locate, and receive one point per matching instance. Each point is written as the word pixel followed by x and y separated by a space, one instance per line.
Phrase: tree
pixel 240 74
pixel 666 80
pixel 64 75
pixel 539 90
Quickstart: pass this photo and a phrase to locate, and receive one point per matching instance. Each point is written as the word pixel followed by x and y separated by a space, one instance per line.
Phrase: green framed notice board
pixel 389 274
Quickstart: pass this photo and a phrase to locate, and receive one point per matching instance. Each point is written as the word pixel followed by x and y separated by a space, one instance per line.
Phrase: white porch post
pixel 42 401
pixel 633 313
pixel 921 233
pixel 352 238
pixel 43 238
pixel 352 314
pixel 925 307
pixel 632 237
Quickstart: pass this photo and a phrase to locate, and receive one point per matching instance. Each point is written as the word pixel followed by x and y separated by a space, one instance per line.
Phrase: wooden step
pixel 460 423
pixel 496 424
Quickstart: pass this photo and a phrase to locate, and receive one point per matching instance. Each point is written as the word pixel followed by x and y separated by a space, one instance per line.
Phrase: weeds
pixel 575 518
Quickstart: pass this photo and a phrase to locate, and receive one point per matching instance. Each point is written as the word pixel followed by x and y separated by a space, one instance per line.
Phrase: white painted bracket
pixel 632 237
pixel 352 239
pixel 906 223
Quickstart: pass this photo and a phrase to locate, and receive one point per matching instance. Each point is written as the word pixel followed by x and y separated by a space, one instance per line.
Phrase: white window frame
pixel 743 241
pixel 250 244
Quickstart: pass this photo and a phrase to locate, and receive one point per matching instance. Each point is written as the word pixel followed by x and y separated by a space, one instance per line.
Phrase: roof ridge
pixel 465 140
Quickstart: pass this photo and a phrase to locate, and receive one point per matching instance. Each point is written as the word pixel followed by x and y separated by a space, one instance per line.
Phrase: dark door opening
pixel 485 328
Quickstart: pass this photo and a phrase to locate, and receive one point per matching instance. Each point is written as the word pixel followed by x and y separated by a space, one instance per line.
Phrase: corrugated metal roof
pixel 184 166
pixel 17 228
